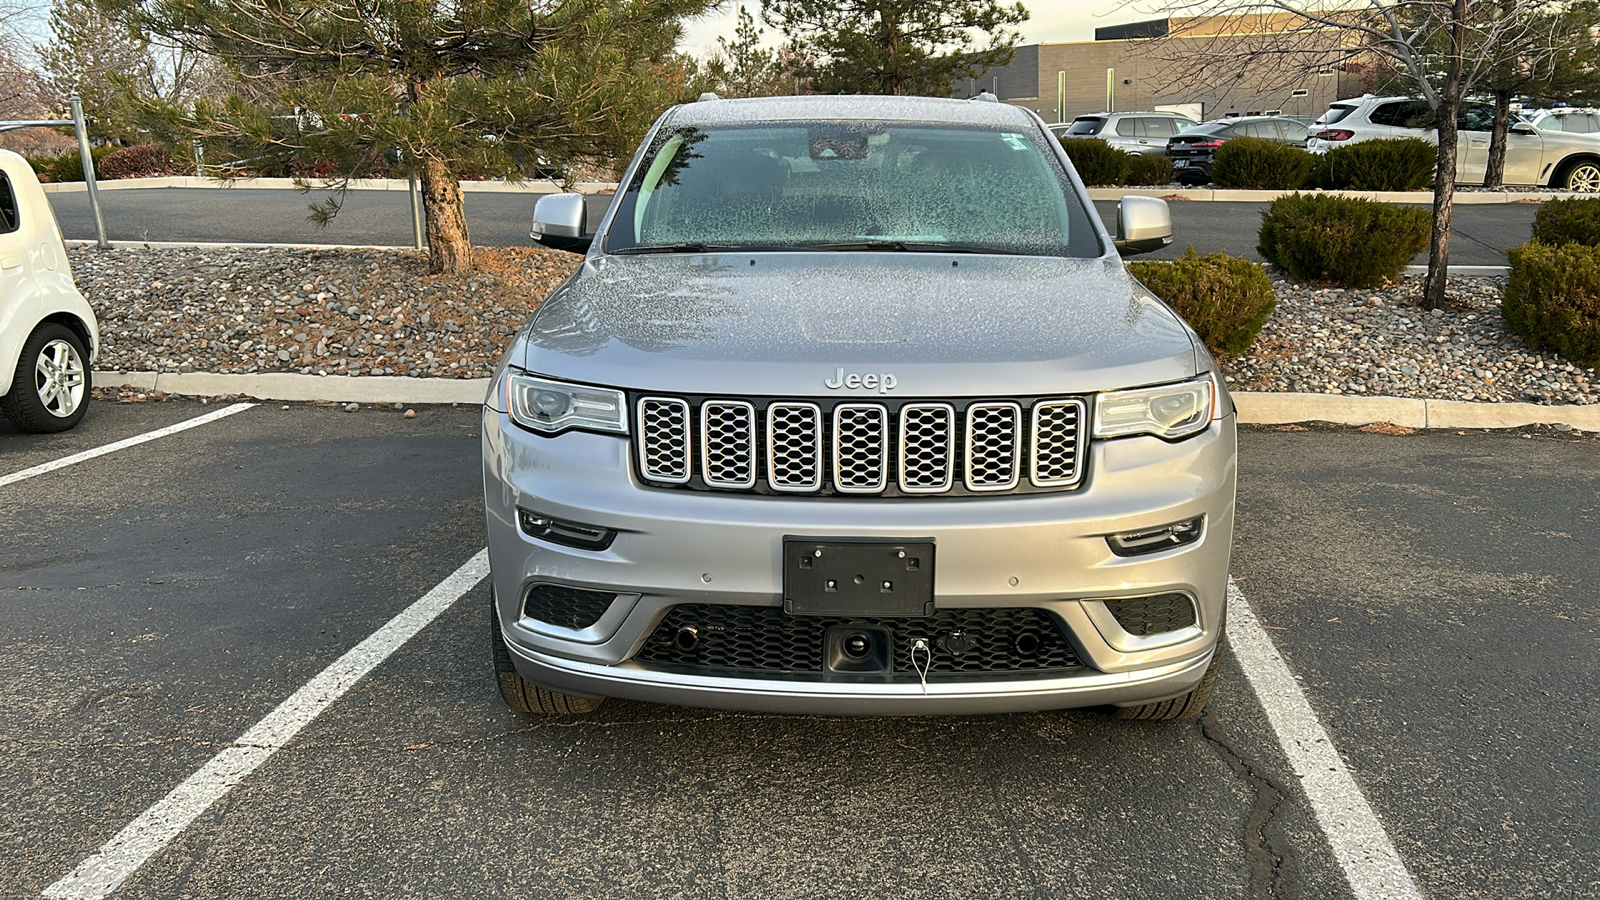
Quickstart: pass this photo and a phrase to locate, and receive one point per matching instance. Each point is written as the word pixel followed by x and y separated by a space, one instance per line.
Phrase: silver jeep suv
pixel 853 408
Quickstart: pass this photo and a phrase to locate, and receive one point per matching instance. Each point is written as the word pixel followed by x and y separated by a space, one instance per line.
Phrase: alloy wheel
pixel 58 377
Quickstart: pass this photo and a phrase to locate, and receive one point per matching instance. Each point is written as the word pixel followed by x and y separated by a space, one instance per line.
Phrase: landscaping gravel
pixel 1381 342
pixel 320 312
pixel 378 312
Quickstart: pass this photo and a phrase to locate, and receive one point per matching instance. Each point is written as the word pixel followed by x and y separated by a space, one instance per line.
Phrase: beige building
pixel 1203 69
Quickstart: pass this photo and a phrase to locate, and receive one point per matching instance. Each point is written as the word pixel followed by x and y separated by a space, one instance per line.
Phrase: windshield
pixel 851 186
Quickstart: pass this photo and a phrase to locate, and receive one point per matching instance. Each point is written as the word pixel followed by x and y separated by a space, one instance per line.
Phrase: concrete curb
pixel 1212 195
pixel 1254 408
pixel 73 243
pixel 1217 195
pixel 360 184
pixel 297 387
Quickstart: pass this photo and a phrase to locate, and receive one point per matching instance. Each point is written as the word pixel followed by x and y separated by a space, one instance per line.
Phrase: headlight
pixel 552 407
pixel 1169 411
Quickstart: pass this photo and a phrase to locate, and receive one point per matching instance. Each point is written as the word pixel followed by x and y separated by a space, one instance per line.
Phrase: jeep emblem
pixel 872 381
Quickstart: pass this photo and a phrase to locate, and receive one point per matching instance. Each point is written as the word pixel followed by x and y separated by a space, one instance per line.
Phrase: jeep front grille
pixel 891 448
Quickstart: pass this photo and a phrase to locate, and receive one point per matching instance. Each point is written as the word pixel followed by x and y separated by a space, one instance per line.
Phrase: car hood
pixel 790 323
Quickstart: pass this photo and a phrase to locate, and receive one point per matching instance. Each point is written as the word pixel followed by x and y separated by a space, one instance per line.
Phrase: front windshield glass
pixel 875 185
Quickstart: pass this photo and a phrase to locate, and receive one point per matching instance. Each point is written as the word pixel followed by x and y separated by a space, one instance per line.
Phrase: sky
pixel 1048 21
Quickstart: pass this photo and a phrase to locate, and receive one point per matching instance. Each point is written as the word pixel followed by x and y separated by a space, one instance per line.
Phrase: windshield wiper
pixel 910 247
pixel 665 248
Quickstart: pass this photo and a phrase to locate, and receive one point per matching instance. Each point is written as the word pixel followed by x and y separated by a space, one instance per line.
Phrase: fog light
pixel 569 534
pixel 1154 540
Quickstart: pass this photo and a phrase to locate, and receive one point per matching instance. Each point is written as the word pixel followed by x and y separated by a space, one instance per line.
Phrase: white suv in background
pixel 1135 132
pixel 1534 156
pixel 48 333
pixel 1567 119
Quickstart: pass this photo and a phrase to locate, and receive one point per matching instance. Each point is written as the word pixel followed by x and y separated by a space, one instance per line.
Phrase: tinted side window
pixel 1293 131
pixel 1585 123
pixel 9 218
pixel 1087 125
pixel 1129 128
pixel 1404 114
pixel 1477 117
pixel 1161 128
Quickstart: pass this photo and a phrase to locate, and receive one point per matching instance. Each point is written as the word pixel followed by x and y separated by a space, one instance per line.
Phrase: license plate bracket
pixel 857 577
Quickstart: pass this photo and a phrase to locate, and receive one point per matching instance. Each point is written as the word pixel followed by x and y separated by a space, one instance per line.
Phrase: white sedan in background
pixel 48 334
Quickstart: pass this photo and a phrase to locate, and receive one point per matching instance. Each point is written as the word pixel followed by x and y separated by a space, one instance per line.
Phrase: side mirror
pixel 1523 128
pixel 1143 224
pixel 560 222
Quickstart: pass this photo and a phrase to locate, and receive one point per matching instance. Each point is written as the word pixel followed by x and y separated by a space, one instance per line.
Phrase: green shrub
pixel 69 166
pixel 140 161
pixel 1570 221
pixel 1097 162
pixel 1225 299
pixel 1355 242
pixel 1149 170
pixel 1405 164
pixel 1257 164
pixel 1553 299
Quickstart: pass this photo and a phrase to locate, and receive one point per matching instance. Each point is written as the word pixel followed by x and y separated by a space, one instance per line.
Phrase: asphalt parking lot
pixel 1433 596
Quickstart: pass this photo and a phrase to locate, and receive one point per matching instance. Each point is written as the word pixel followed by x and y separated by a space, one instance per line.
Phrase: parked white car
pixel 1534 156
pixel 48 333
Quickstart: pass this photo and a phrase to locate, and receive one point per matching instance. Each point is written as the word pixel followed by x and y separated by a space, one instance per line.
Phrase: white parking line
pixel 1357 838
pixel 113 447
pixel 130 848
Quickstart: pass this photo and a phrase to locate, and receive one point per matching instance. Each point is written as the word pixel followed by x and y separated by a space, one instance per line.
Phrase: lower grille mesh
pixel 1153 615
pixel 765 639
pixel 566 607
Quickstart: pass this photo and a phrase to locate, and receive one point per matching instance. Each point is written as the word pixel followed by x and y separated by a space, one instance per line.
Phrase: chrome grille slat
pixel 927 447
pixel 728 443
pixel 664 439
pixel 794 447
pixel 909 448
pixel 1058 432
pixel 993 439
pixel 860 448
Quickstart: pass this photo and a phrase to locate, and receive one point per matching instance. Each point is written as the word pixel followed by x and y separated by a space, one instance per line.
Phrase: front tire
pixel 1583 177
pixel 1187 706
pixel 523 695
pixel 50 389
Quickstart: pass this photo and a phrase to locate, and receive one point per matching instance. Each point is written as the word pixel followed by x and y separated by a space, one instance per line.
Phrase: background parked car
pixel 1193 151
pixel 1571 121
pixel 1135 132
pixel 1534 156
pixel 48 333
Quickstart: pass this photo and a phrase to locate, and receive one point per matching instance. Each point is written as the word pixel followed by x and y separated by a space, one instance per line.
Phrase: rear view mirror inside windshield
pixel 837 143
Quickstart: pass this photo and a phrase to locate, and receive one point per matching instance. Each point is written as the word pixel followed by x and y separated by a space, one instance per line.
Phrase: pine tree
pixel 487 87
pixel 95 53
pixel 896 46
pixel 742 67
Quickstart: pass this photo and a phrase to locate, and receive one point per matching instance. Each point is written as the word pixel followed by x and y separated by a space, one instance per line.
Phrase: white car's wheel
pixel 50 389
pixel 1584 177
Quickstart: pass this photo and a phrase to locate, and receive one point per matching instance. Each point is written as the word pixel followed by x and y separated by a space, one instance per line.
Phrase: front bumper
pixel 1045 551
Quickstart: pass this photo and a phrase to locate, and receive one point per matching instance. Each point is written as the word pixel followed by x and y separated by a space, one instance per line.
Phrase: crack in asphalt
pixel 1273 861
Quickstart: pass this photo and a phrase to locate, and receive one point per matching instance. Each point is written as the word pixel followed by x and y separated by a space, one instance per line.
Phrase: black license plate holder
pixel 857 577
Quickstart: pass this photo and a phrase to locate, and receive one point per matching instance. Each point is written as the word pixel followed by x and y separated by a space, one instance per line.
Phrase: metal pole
pixel 416 211
pixel 88 172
